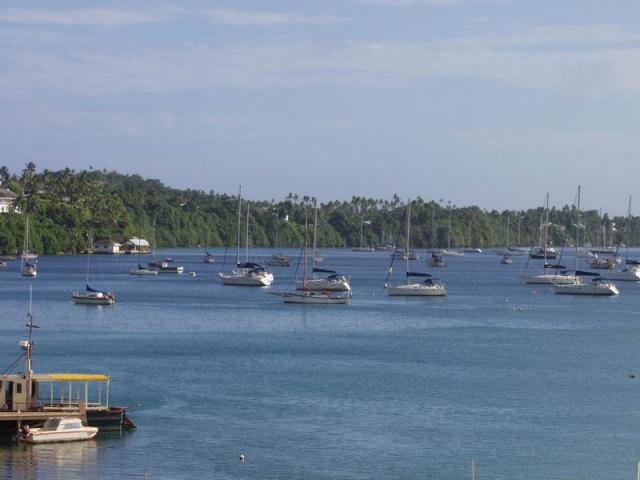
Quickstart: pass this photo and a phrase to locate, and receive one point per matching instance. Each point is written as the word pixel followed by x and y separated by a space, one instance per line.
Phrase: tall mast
pixel 304 265
pixel 88 257
pixel 519 221
pixel 408 235
pixel 577 229
pixel 508 228
pixel 315 228
pixel 277 226
pixel 433 226
pixel 449 232
pixel 29 356
pixel 361 227
pixel 469 235
pixel 546 230
pixel 626 232
pixel 246 245
pixel 239 221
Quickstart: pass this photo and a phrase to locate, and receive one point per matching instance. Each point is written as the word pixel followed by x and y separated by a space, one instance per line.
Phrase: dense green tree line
pixel 66 207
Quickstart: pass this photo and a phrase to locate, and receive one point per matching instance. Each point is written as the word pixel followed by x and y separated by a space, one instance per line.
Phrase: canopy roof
pixel 70 377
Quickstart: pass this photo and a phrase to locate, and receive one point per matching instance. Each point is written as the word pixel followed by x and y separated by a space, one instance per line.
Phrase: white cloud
pixel 86 17
pixel 596 60
pixel 430 3
pixel 242 17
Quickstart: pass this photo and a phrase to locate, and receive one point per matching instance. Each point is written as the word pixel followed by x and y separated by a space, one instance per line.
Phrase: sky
pixel 476 102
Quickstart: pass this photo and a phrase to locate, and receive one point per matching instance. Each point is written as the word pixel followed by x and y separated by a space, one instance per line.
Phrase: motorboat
pixel 278 260
pixel 451 253
pixel 472 250
pixel 595 287
pixel 169 267
pixel 602 263
pixel 506 260
pixel 58 429
pixel 548 253
pixel 142 270
pixel 436 260
pixel 209 258
pixel 92 296
pixel 247 274
pixel 29 269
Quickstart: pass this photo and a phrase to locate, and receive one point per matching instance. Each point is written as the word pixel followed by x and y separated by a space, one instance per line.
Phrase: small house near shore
pixel 106 246
pixel 7 197
pixel 136 245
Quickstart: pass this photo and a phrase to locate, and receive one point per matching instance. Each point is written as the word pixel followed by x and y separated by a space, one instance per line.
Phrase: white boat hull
pixel 315 299
pixel 593 289
pixel 143 272
pixel 76 435
pixel 417 290
pixel 82 299
pixel 624 276
pixel 322 284
pixel 247 280
pixel 29 272
pixel 550 279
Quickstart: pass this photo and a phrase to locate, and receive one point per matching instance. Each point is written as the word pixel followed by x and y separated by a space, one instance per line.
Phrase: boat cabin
pixel 53 391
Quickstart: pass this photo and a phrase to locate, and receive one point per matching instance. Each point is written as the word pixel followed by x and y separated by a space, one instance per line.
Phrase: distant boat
pixel 597 286
pixel 436 260
pixel 632 271
pixel 209 258
pixel 92 296
pixel 246 274
pixel 333 282
pixel 426 288
pixel 362 248
pixel 278 259
pixel 469 248
pixel 29 264
pixel 306 295
pixel 142 270
pixel 506 260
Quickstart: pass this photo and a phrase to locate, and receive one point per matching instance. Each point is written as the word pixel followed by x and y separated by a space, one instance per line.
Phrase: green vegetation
pixel 66 206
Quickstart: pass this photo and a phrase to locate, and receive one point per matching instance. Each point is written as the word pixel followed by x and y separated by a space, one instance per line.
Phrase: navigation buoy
pixel 242 457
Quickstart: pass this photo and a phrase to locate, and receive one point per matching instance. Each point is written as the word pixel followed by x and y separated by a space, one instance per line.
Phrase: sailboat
pixel 469 248
pixel 332 282
pixel 362 248
pixel 278 259
pixel 426 288
pixel 29 262
pixel 142 270
pixel 448 252
pixel 305 295
pixel 208 257
pixel 632 271
pixel 248 274
pixel 91 296
pixel 547 278
pixel 579 287
pixel 544 251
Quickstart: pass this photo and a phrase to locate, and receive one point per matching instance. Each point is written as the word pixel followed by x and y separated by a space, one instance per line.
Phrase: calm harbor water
pixel 527 383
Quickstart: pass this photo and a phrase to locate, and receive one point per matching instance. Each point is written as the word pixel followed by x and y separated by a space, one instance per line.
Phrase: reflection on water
pixel 52 461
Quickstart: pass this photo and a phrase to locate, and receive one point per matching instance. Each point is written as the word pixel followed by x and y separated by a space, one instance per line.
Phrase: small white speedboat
pixel 506 260
pixel 59 429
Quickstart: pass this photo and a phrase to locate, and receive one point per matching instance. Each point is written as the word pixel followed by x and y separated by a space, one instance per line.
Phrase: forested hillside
pixel 66 207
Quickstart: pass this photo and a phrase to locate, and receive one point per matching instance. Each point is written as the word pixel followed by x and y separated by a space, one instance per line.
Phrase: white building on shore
pixel 106 246
pixel 7 197
pixel 135 245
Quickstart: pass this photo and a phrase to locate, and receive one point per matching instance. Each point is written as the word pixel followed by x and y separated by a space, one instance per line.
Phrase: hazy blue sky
pixel 488 102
